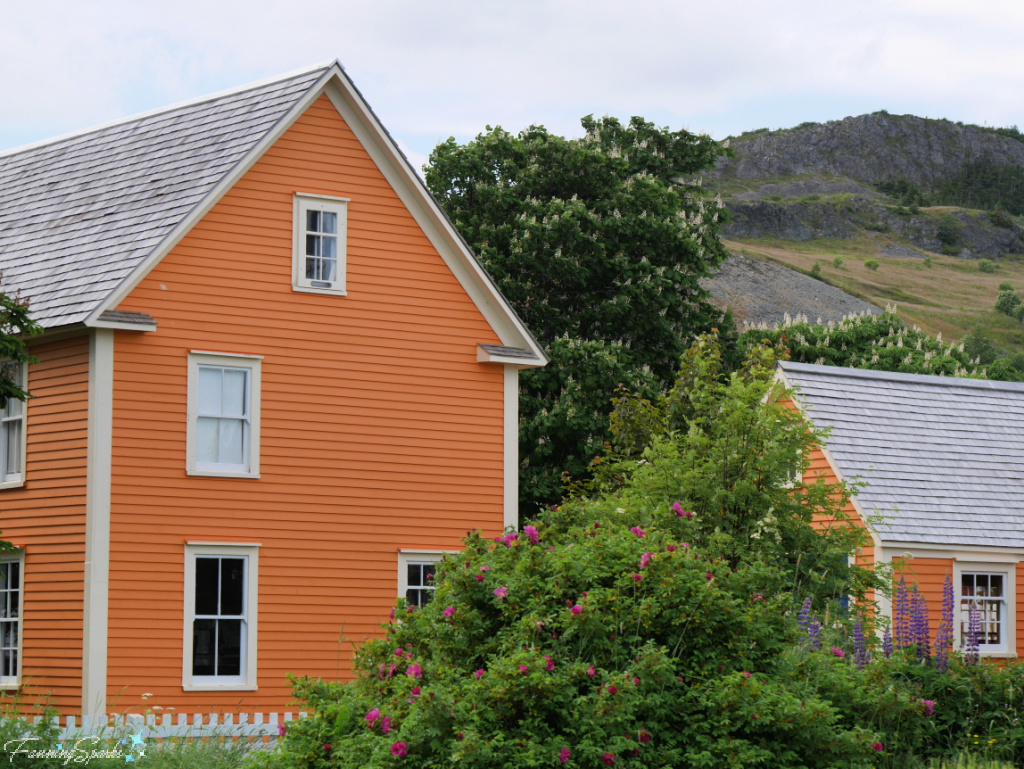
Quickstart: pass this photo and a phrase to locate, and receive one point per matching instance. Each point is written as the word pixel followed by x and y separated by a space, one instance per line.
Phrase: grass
pixel 950 297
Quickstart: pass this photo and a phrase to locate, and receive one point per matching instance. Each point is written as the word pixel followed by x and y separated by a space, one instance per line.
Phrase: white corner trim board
pixel 97 521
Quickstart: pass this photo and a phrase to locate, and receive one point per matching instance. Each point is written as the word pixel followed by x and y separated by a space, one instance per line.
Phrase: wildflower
pixel 645 559
pixel 385 725
pixel 608 759
pixel 612 689
pixel 590 671
pixel 523 669
pixel 804 615
pixel 637 577
pixel 879 747
pixel 371 717
pixel 576 609
pixel 414 671
pixel 281 729
pixel 837 652
pixel 399 749
pixel 901 615
pixel 449 611
pixel 929 707
pixel 944 636
pixel 671 548
pixel 146 695
pixel 638 531
pixel 644 737
pixel 861 653
pixel 479 673
pixel 509 538
pixel 479 577
pixel 814 632
pixel 501 592
pixel 399 652
pixel 709 575
pixel 531 534
pixel 887 643
pixel 550 663
pixel 563 756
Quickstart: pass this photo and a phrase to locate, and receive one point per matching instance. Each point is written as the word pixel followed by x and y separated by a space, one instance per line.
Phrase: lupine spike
pixel 802 618
pixel 900 617
pixel 944 636
pixel 887 643
pixel 924 652
pixel 861 654
pixel 973 635
pixel 814 632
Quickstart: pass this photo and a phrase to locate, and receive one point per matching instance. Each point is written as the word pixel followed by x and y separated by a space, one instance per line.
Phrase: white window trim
pixel 303 202
pixel 250 551
pixel 405 557
pixel 14 682
pixel 16 480
pixel 197 358
pixel 1009 570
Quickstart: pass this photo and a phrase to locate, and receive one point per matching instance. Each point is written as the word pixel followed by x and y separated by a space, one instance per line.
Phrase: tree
pixel 15 325
pixel 598 243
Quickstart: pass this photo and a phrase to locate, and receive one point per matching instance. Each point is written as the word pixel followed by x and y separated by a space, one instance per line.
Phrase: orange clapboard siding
pixel 380 430
pixel 929 574
pixel 46 517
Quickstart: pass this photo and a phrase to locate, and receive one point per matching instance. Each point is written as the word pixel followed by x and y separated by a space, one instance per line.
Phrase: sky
pixel 445 68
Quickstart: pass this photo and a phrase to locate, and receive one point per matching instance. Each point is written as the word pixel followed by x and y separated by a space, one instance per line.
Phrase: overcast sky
pixel 451 67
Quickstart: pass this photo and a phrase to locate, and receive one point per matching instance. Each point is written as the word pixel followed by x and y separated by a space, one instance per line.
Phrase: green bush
pixel 986 266
pixel 838 262
pixel 1018 312
pixel 949 230
pixel 816 271
pixel 928 261
pixel 1006 286
pixel 871 264
pixel 1000 218
pixel 1008 302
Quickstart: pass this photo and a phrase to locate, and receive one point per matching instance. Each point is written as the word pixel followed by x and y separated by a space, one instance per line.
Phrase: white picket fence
pixel 251 726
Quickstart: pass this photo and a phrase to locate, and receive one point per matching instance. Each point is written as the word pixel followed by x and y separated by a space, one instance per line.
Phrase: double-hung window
pixel 12 432
pixel 223 415
pixel 11 568
pixel 220 615
pixel 990 590
pixel 321 225
pixel 416 571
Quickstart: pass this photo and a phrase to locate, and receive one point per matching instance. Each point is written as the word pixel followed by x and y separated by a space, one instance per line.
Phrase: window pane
pixel 204 640
pixel 311 269
pixel 981 585
pixel 327 267
pixel 995 582
pixel 207 586
pixel 10 665
pixel 330 222
pixel 232 586
pixel 330 248
pixel 12 433
pixel 230 442
pixel 209 390
pixel 428 573
pixel 233 404
pixel 967 585
pixel 312 245
pixel 313 221
pixel 412 596
pixel 229 647
pixel 414 575
pixel 14 578
pixel 207 440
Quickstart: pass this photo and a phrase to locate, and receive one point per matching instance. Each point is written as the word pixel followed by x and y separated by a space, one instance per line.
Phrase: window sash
pixel 219 639
pixel 10 622
pixel 222 429
pixel 987 592
pixel 12 432
pixel 320 243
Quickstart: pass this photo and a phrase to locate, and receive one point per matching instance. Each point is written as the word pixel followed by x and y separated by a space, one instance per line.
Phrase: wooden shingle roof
pixel 943 458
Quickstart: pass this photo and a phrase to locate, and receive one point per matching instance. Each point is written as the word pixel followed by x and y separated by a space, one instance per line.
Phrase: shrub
pixel 838 262
pixel 816 271
pixel 871 264
pixel 1006 286
pixel 1008 302
pixel 949 231
pixel 1000 218
pixel 928 261
pixel 986 265
pixel 1018 312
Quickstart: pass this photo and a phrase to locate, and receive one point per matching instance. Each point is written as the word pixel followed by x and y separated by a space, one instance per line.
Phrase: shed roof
pixel 943 457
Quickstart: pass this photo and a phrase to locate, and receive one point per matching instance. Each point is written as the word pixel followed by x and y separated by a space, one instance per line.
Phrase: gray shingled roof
pixel 944 457
pixel 79 213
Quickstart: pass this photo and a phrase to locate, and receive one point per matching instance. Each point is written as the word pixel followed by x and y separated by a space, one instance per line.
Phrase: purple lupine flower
pixel 861 654
pixel 901 616
pixel 973 635
pixel 887 643
pixel 944 636
pixel 814 632
pixel 804 616
pixel 923 639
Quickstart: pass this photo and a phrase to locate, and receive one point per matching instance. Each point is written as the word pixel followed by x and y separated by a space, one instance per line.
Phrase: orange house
pixel 943 463
pixel 274 389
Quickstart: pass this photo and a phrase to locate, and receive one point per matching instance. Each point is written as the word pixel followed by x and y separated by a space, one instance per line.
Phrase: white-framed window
pixel 223 435
pixel 12 432
pixel 321 225
pixel 990 588
pixel 12 567
pixel 221 600
pixel 416 570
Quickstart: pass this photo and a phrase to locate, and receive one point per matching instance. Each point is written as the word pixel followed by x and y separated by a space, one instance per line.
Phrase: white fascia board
pixel 973 553
pixel 429 216
pixel 117 325
pixel 203 207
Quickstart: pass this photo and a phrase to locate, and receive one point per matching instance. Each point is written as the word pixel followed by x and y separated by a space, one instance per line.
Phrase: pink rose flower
pixel 371 717
pixel 879 747
pixel 531 534
pixel 415 691
pixel 590 671
pixel 485 568
pixel 671 548
pixel 612 689
pixel 838 652
pixel 501 592
pixel 281 729
pixel 576 609
pixel 399 652
pixel 523 669
pixel 685 544
pixel 644 737
pixel 608 759
pixel 645 559
pixel 709 575
pixel 414 671
pixel 479 577
pixel 563 757
pixel 637 577
pixel 638 531
pixel 385 725
pixel 929 707
pixel 746 674
pixel 449 611
pixel 550 663
pixel 479 673
pixel 510 538
pixel 399 749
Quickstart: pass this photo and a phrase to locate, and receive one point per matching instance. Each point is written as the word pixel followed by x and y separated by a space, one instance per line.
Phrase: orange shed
pixel 274 389
pixel 942 463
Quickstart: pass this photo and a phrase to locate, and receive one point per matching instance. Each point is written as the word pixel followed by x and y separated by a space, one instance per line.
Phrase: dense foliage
pixel 15 325
pixel 884 343
pixel 599 244
pixel 982 183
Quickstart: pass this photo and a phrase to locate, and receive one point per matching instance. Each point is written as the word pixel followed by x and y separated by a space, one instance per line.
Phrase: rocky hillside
pixel 870 148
